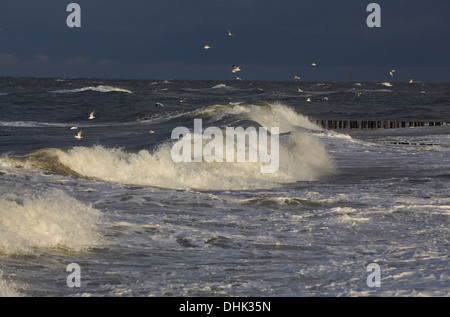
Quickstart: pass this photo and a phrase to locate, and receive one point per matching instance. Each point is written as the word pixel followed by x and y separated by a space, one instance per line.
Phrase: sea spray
pixel 50 219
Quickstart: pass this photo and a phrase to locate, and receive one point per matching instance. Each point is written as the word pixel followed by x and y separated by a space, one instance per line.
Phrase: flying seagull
pixel 91 116
pixel 392 73
pixel 314 64
pixel 386 84
pixel 206 47
pixel 78 135
pixel 229 32
pixel 297 77
pixel 73 128
pixel 158 104
pixel 236 69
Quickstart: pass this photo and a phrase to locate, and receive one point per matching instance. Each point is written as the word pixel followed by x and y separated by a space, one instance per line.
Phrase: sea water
pixel 139 224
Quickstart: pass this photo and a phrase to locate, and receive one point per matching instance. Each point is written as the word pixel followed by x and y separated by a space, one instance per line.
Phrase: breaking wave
pixel 301 155
pixel 51 220
pixel 101 88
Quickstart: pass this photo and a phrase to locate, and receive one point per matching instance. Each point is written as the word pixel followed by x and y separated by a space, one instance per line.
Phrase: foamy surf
pixel 100 88
pixel 48 220
pixel 265 114
pixel 302 158
pixel 31 124
pixel 7 289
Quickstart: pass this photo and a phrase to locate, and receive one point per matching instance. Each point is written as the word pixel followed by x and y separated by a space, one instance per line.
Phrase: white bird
pixel 73 128
pixel 206 47
pixel 236 69
pixel 78 135
pixel 411 81
pixel 91 116
pixel 325 98
pixel 158 104
pixel 392 73
pixel 308 100
pixel 151 131
pixel 229 32
pixel 297 77
pixel 299 90
pixel 358 84
pixel 386 84
pixel 314 64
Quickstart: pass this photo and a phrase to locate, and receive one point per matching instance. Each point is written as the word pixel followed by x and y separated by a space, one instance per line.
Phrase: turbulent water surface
pixel 139 224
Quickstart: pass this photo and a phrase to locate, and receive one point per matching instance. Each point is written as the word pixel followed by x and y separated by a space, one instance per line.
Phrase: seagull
pixel 299 90
pixel 73 128
pixel 158 104
pixel 325 98
pixel 308 100
pixel 359 94
pixel 151 131
pixel 358 84
pixel 392 73
pixel 297 77
pixel 78 135
pixel 236 69
pixel 411 81
pixel 229 32
pixel 386 84
pixel 206 47
pixel 91 116
pixel 314 64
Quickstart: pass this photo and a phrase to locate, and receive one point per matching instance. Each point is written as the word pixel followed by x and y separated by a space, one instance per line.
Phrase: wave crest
pixel 100 88
pixel 48 220
pixel 302 157
pixel 264 113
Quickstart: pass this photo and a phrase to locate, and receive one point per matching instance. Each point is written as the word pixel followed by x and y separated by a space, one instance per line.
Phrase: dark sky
pixel 274 40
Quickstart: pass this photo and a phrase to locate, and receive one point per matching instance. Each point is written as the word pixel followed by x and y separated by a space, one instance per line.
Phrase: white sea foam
pixel 7 289
pixel 223 86
pixel 30 124
pixel 51 219
pixel 267 115
pixel 302 158
pixel 100 88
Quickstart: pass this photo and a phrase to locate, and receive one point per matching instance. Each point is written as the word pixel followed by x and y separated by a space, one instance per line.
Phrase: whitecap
pixel 52 219
pixel 101 88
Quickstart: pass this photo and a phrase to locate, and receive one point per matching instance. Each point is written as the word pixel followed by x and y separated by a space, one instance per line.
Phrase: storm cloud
pixel 274 40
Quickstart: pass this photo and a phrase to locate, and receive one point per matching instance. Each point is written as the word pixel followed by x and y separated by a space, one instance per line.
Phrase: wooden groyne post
pixel 370 124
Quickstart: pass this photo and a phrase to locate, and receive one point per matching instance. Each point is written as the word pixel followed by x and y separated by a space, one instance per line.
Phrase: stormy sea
pixel 132 221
